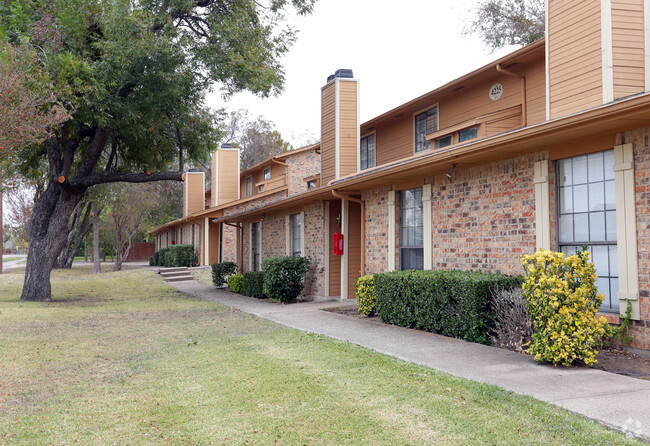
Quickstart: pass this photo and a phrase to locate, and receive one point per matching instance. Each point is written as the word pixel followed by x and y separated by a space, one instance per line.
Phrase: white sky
pixel 397 49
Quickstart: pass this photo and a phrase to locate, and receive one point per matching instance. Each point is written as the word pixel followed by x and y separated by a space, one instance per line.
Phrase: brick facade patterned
pixel 640 330
pixel 229 245
pixel 484 218
pixel 301 166
pixel 376 230
pixel 274 237
pixel 315 233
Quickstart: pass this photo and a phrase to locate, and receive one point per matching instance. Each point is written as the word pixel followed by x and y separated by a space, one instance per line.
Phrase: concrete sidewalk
pixel 616 401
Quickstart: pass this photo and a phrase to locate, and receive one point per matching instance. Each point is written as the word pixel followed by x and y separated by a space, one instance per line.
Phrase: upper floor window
pixel 467 134
pixel 267 174
pixel 367 148
pixel 443 142
pixel 249 186
pixel 311 184
pixel 425 123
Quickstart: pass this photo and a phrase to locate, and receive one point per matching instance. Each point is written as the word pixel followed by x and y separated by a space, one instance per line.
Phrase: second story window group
pixel 425 123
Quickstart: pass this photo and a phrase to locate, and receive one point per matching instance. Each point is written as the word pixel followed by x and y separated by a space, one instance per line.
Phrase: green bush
pixel 283 277
pixel 451 303
pixel 253 284
pixel 175 256
pixel 366 296
pixel 235 283
pixel 562 301
pixel 220 271
pixel 152 261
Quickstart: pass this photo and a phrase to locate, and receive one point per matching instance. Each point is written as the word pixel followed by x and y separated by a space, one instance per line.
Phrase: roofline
pixel 280 156
pixel 490 66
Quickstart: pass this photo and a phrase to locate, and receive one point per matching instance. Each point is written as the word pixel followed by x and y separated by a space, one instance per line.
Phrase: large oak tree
pixel 134 74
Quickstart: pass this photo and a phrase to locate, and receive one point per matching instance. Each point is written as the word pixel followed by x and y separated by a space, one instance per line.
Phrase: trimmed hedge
pixel 283 277
pixel 253 285
pixel 235 283
pixel 174 256
pixel 366 298
pixel 451 303
pixel 222 270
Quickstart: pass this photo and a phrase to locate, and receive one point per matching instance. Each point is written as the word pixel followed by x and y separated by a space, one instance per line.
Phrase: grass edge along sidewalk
pixel 123 358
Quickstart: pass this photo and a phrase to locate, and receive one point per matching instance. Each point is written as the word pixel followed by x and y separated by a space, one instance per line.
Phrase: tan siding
pixel 535 92
pixel 354 247
pixel 335 261
pixel 348 126
pixel 213 252
pixel 195 190
pixel 328 132
pixel 228 176
pixel 628 47
pixel 575 58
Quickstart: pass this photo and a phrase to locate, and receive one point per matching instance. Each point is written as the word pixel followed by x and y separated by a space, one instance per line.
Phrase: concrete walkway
pixel 616 401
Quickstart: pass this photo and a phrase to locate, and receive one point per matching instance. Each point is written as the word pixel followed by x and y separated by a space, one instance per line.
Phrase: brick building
pixel 547 147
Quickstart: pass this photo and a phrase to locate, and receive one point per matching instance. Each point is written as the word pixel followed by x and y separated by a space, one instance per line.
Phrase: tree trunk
pixel 47 237
pixel 86 247
pixel 72 231
pixel 83 230
pixel 118 249
pixel 96 262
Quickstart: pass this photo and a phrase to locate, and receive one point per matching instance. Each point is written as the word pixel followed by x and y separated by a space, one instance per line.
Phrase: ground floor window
pixel 587 216
pixel 255 246
pixel 411 229
pixel 296 235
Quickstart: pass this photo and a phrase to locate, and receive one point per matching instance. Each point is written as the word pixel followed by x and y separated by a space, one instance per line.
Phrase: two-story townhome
pixel 547 147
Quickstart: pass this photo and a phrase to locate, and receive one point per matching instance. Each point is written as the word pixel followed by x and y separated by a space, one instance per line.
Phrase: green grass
pixel 9 259
pixel 122 358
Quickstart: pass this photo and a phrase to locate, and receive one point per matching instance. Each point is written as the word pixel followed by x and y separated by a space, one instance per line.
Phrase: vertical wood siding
pixel 628 46
pixel 328 132
pixel 348 127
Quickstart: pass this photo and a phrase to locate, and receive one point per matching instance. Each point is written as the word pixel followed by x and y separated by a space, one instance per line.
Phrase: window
pixel 296 235
pixel 410 229
pixel 311 184
pixel 193 236
pixel 587 216
pixel 267 174
pixel 443 142
pixel 467 134
pixel 249 186
pixel 367 147
pixel 425 123
pixel 255 246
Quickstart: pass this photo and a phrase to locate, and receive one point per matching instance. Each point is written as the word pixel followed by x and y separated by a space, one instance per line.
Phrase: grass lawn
pixel 122 358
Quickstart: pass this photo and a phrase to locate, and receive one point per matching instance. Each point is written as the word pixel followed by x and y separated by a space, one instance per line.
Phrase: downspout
pixel 363 226
pixel 273 160
pixel 240 260
pixel 524 114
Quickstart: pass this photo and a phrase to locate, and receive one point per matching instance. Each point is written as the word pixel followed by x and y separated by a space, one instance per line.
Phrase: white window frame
pixel 267 174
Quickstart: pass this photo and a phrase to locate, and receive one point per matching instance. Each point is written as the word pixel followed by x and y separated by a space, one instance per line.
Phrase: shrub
pixel 452 303
pixel 152 261
pixel 283 277
pixel 253 284
pixel 169 258
pixel 562 301
pixel 366 297
pixel 512 326
pixel 222 270
pixel 174 256
pixel 235 283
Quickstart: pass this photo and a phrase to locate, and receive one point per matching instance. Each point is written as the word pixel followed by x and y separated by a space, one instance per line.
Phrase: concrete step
pixel 172 270
pixel 179 278
pixel 176 274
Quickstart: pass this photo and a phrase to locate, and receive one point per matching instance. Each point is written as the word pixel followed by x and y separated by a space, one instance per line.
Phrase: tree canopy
pixel 133 74
pixel 508 22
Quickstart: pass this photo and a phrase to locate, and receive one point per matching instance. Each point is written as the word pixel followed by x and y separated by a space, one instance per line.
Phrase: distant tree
pixel 257 139
pixel 508 22
pixel 20 204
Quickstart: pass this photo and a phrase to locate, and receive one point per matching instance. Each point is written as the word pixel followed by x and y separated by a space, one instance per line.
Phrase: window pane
pixel 580 200
pixel 597 226
pixel 597 196
pixel 595 167
pixel 610 222
pixel 610 195
pixel 566 228
pixel 600 257
pixel 566 178
pixel 467 134
pixel 581 227
pixel 613 260
pixel 580 169
pixel 613 286
pixel 603 286
pixel 566 200
pixel 443 142
pixel 608 161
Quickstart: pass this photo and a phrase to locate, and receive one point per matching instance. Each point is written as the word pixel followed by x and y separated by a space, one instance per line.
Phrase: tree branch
pixel 103 178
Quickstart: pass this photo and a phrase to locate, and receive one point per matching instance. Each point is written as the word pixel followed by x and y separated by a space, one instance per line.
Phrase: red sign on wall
pixel 338 244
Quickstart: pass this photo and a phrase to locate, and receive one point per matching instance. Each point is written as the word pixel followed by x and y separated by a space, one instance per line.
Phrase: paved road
pixel 616 401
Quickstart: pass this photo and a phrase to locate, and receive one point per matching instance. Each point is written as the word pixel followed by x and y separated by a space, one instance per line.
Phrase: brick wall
pixel 640 330
pixel 315 234
pixel 274 237
pixel 229 245
pixel 376 230
pixel 301 166
pixel 484 218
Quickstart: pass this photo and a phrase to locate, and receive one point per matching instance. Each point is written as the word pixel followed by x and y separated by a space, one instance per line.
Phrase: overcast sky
pixel 397 49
